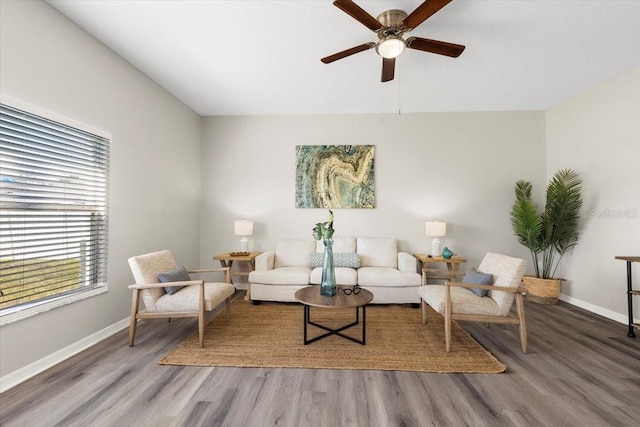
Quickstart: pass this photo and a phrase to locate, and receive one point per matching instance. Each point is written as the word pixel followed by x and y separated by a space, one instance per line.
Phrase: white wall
pixel 49 62
pixel 597 133
pixel 457 167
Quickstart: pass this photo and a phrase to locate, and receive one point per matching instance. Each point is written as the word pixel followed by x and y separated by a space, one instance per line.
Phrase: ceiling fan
pixel 390 26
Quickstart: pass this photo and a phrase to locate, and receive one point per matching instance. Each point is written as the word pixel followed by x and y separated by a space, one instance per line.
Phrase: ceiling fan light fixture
pixel 391 46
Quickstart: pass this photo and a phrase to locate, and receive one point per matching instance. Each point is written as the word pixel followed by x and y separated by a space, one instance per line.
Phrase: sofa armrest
pixel 265 261
pixel 407 262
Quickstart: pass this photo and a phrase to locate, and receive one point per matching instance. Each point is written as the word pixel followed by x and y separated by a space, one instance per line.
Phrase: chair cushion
pixel 176 275
pixel 340 259
pixel 187 298
pixel 344 276
pixel 475 277
pixel 462 300
pixel 145 269
pixel 507 271
pixel 387 277
pixel 282 276
pixel 377 252
pixel 293 253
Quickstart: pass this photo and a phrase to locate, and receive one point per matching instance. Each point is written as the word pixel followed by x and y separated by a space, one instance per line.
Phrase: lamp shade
pixel 242 227
pixel 435 228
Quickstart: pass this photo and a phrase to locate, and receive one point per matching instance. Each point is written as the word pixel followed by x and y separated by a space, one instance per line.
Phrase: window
pixel 53 213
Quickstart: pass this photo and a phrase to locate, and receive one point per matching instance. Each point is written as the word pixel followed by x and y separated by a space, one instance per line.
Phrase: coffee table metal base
pixel 330 331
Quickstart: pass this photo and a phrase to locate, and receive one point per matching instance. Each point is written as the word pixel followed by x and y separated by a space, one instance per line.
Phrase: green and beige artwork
pixel 335 176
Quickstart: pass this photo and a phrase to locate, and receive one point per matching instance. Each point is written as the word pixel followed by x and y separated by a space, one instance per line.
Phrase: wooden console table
pixel 453 264
pixel 630 293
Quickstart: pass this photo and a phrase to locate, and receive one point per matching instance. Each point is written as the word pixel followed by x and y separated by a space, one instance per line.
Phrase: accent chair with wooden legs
pixel 457 301
pixel 167 291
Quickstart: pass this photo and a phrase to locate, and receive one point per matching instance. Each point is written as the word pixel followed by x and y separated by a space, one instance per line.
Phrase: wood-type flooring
pixel 581 370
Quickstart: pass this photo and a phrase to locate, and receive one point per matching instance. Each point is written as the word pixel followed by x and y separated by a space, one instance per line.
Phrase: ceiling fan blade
pixel 359 14
pixel 422 12
pixel 388 69
pixel 435 46
pixel 347 52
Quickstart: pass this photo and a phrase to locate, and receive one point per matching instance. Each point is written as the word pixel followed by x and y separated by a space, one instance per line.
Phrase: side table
pixel 227 260
pixel 630 293
pixel 425 261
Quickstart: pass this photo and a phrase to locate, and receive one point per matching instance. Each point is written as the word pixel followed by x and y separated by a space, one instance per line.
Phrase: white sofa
pixel 391 275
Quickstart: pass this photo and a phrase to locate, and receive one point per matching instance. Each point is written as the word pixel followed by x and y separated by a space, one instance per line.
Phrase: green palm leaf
pixel 561 217
pixel 526 222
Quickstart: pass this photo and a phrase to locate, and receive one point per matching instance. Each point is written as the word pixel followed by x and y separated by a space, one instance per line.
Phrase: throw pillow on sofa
pixel 340 259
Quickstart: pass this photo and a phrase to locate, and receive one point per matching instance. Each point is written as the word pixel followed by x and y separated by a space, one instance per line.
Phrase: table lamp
pixel 435 229
pixel 243 228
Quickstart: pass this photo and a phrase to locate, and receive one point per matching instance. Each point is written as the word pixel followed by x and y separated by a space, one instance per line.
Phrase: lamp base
pixel 435 247
pixel 244 244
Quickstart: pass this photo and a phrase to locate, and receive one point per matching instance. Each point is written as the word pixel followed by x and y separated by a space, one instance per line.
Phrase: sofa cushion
pixel 176 275
pixel 377 252
pixel 344 276
pixel 387 276
pixel 293 253
pixel 340 244
pixel 282 276
pixel 474 277
pixel 340 259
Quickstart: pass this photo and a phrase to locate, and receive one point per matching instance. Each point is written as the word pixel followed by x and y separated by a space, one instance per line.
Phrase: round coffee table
pixel 310 297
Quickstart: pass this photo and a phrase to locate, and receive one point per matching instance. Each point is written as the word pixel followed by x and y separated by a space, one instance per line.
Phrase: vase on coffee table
pixel 328 284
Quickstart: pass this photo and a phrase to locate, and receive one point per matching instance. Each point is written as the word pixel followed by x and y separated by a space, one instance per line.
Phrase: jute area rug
pixel 270 335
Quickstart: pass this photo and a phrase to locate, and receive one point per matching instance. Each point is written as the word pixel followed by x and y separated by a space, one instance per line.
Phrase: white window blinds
pixel 53 209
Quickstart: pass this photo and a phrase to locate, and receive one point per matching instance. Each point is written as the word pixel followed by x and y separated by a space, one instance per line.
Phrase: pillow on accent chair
pixel 178 275
pixel 475 277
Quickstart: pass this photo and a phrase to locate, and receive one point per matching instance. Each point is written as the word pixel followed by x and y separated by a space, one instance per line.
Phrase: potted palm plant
pixel 548 233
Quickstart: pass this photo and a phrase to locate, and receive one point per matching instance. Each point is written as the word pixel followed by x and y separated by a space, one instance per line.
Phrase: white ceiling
pixel 263 57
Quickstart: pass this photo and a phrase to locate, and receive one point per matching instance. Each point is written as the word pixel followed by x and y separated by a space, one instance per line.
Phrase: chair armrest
pixel 225 270
pixel 265 261
pixel 487 287
pixel 162 285
pixel 444 272
pixel 407 262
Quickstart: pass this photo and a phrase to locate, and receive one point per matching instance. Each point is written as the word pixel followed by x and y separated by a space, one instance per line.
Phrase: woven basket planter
pixel 541 291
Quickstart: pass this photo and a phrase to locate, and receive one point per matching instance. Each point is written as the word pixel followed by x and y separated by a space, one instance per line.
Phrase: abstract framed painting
pixel 335 176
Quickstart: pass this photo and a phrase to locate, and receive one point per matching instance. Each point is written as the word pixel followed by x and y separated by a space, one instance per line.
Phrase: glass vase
pixel 328 285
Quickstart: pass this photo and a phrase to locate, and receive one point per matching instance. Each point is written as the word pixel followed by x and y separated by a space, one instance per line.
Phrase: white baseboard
pixel 16 377
pixel 604 312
